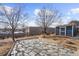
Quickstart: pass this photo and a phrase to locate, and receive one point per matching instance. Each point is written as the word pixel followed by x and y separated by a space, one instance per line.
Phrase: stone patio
pixel 37 47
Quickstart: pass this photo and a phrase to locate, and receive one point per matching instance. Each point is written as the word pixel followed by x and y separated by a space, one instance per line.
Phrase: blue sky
pixel 69 11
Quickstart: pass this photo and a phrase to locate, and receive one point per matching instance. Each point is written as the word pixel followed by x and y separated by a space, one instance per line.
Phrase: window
pixel 62 29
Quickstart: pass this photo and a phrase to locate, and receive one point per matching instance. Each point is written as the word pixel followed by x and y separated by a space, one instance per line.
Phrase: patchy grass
pixel 65 41
pixel 4 48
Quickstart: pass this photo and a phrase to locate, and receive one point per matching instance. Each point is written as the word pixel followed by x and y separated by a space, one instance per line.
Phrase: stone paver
pixel 36 47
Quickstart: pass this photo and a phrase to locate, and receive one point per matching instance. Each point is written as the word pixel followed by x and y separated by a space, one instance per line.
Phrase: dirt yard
pixel 5 47
pixel 50 45
pixel 67 42
pixel 6 44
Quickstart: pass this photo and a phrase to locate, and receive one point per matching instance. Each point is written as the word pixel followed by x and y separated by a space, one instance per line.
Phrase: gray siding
pixel 38 30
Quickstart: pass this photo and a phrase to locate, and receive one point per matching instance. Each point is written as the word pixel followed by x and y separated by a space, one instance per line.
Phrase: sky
pixel 69 11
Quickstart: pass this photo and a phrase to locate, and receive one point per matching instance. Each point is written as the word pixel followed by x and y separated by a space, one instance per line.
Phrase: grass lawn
pixel 4 48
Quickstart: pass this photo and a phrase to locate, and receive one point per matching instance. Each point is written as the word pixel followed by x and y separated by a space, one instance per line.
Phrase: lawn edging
pixel 8 54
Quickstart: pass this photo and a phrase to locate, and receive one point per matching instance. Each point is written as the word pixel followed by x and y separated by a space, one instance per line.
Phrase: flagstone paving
pixel 38 47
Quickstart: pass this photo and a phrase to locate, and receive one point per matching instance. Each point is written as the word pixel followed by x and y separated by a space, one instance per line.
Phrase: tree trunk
pixel 13 37
pixel 45 31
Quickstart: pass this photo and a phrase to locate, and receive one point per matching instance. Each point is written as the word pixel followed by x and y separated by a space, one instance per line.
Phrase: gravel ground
pixel 36 47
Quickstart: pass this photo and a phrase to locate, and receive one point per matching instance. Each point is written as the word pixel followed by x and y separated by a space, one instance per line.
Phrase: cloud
pixel 75 10
pixel 69 13
pixel 7 8
pixel 38 11
pixel 68 17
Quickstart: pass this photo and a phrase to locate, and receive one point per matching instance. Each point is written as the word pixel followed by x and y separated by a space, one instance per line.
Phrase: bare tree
pixel 46 17
pixel 12 18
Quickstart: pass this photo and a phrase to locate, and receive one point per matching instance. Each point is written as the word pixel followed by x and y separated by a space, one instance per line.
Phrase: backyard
pixel 49 45
pixel 41 30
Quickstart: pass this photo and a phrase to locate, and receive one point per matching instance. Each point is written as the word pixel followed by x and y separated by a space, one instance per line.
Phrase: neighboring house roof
pixel 75 22
pixel 71 23
pixel 64 25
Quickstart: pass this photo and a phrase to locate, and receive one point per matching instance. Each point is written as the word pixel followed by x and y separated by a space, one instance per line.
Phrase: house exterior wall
pixel 57 30
pixel 69 31
pixel 34 31
pixel 66 30
pixel 71 28
pixel 38 30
